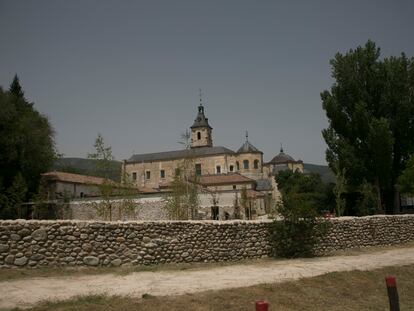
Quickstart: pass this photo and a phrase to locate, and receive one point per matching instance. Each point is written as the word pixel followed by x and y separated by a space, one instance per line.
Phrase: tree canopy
pixel 305 189
pixel 304 198
pixel 27 149
pixel 370 108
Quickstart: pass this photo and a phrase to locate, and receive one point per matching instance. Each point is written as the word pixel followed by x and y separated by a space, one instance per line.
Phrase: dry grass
pixel 356 290
pixel 370 249
pixel 25 273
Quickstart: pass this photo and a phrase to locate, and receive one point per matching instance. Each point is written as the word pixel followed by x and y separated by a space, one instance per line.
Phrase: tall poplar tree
pixel 370 108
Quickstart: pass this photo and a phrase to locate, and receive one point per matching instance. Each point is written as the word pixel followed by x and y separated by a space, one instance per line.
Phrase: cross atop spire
pixel 281 148
pixel 200 106
pixel 200 94
pixel 247 136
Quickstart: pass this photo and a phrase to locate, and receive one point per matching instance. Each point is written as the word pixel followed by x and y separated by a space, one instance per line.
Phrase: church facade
pixel 157 170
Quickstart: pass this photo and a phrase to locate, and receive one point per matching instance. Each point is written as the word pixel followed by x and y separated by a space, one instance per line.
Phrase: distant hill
pixel 326 173
pixel 87 167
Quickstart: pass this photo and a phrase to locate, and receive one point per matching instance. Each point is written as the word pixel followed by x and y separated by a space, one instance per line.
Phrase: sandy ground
pixel 27 292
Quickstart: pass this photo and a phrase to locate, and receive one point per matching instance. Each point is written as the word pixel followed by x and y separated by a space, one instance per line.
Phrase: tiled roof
pixel 282 158
pixel 179 154
pixel 254 194
pixel 248 148
pixel 73 178
pixel 88 180
pixel 223 179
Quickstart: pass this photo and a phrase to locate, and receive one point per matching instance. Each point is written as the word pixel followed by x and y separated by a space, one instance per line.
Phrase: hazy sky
pixel 131 70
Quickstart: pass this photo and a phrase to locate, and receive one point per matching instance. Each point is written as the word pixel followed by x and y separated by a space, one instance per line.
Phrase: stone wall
pixel 69 243
pixel 355 232
pixel 61 243
pixel 149 209
pixel 153 208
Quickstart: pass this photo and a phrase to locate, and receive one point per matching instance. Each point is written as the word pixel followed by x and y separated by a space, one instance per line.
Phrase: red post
pixel 392 293
pixel 262 305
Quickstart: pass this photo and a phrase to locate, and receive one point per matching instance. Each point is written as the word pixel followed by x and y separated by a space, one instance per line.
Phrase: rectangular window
pixel 246 164
pixel 198 169
pixel 147 175
pixel 134 176
pixel 218 169
pixel 162 174
pixel 231 168
pixel 234 187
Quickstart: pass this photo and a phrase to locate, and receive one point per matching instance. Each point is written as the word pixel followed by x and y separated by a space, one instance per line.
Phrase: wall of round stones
pixel 36 243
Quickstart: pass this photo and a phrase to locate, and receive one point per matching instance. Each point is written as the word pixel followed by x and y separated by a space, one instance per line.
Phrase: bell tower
pixel 201 130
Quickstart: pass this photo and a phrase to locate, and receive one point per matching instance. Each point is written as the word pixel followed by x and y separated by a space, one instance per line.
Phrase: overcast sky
pixel 131 70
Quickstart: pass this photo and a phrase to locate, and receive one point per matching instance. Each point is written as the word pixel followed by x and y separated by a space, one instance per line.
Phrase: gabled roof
pixel 254 194
pixel 179 154
pixel 223 179
pixel 89 180
pixel 74 178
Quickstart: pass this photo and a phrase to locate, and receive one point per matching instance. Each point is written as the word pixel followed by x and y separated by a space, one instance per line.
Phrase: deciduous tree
pixel 370 108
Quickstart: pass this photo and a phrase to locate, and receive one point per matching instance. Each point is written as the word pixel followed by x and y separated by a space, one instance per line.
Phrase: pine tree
pixel 15 88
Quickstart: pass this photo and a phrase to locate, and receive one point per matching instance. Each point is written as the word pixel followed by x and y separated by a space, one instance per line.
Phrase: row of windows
pixel 198 169
pixel 246 165
pixel 148 175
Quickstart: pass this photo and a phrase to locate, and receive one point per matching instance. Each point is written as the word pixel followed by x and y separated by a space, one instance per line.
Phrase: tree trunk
pixel 377 186
pixel 397 203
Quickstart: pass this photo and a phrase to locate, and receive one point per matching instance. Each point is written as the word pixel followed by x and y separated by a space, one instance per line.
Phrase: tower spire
pixel 200 94
pixel 281 148
pixel 201 130
pixel 247 136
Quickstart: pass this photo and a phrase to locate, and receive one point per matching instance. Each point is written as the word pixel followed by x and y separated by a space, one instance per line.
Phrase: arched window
pixel 256 164
pixel 198 135
pixel 237 166
pixel 246 164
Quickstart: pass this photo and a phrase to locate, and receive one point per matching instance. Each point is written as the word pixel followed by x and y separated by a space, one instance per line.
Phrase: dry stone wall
pixel 356 232
pixel 92 243
pixel 61 243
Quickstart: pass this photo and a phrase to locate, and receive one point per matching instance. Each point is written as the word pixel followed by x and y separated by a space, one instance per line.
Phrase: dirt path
pixel 25 293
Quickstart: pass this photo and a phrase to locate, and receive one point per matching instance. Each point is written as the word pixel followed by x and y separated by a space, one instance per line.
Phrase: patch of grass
pixel 345 291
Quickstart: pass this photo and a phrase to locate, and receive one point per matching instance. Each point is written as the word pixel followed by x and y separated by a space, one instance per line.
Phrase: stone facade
pixel 82 243
pixel 227 163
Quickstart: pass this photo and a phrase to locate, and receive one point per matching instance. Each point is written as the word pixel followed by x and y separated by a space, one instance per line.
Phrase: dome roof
pixel 282 158
pixel 247 147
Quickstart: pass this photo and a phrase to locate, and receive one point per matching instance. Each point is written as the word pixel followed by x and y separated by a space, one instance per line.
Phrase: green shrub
pixel 298 231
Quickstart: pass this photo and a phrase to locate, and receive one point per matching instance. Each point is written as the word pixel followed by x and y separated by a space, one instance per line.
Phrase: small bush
pixel 299 230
